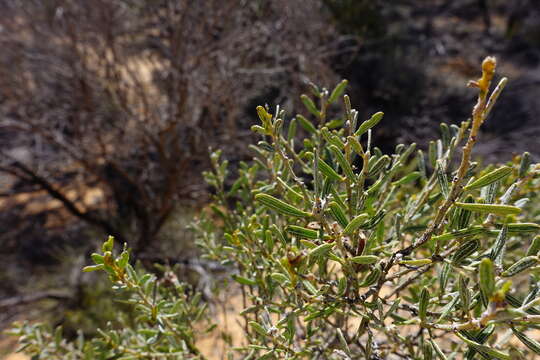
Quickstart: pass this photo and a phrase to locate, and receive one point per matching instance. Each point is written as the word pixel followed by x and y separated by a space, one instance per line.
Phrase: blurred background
pixel 108 109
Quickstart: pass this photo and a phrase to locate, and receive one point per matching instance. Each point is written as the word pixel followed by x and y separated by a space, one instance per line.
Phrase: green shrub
pixel 348 253
pixel 161 325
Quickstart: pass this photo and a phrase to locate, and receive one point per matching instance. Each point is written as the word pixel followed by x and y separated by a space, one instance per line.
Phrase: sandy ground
pixel 17 357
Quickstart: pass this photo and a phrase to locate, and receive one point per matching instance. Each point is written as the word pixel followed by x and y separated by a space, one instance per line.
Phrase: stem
pixel 479 114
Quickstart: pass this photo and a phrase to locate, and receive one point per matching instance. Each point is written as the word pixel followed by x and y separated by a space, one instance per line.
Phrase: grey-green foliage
pixel 348 253
pixel 162 328
pixel 344 252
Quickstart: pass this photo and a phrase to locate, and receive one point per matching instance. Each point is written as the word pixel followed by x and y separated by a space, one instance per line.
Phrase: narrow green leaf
pixel 259 329
pixel 290 191
pixel 280 206
pixel 327 187
pixel 497 252
pixel 345 165
pixel 265 146
pixel 355 223
pixel 347 102
pixel 487 277
pixel 517 303
pixel 342 285
pixel 108 245
pixel 243 280
pixel 123 260
pixel 355 145
pixel 393 308
pixel 490 208
pixel 407 178
pixel 309 286
pixel 338 214
pixel 335 123
pixel 338 91
pixel 535 246
pixel 489 192
pixel 364 259
pixel 489 178
pixel 302 232
pixel 308 244
pixel 97 258
pixel 480 337
pixel 443 277
pixel 264 116
pixel 438 350
pixel 306 124
pixel 448 308
pixel 373 189
pixel 465 250
pixel 291 131
pixel 432 154
pixel 328 171
pixel 378 165
pixel 416 262
pixel 445 135
pixel 464 294
pixel 532 344
pixel 405 155
pixel 516 228
pixel 374 221
pixel 524 165
pixel 310 105
pixel 521 265
pixel 315 89
pixel 368 124
pixel 372 277
pixel 484 348
pixel 463 217
pixel 343 342
pixel 427 350
pixel 442 178
pixel 259 129
pixel 470 231
pixel 331 138
pixel 421 163
pixel 321 249
pixel 423 304
pixel 532 294
pixel 279 277
pixel 93 268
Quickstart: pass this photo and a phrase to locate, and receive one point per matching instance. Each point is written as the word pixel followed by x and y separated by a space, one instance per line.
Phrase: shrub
pixel 108 99
pixel 345 252
pixel 163 327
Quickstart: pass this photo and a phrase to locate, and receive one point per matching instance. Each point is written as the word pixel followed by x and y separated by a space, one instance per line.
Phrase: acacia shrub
pixel 344 252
